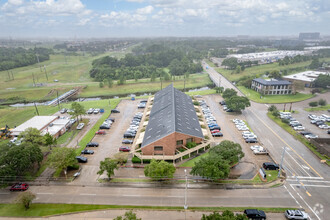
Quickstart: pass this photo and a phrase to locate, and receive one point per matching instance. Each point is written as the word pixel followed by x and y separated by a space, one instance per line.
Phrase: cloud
pixel 146 10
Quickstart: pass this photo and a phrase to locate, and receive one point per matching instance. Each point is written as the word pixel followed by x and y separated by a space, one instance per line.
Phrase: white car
pixel 324 126
pixel 256 147
pixel 260 152
pixel 80 126
pixel 296 214
pixel 250 136
pixel 311 136
pixel 299 128
pixel 243 128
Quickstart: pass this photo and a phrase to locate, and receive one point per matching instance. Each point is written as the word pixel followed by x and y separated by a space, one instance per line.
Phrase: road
pixel 308 180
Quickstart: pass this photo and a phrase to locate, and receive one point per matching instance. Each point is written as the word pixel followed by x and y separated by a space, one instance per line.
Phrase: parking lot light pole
pixel 185 192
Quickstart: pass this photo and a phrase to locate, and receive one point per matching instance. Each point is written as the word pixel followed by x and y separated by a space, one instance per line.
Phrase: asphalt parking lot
pixel 108 143
pixel 250 163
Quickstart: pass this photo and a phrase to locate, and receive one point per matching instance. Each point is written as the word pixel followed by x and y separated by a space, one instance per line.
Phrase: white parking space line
pixel 131 195
pixel 307 177
pixel 45 193
pixel 87 194
pixel 310 185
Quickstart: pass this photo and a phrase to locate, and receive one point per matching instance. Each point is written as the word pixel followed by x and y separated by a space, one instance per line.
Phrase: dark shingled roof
pixel 172 111
pixel 272 82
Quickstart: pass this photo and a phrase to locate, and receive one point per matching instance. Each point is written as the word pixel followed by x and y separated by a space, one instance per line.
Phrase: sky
pixel 156 18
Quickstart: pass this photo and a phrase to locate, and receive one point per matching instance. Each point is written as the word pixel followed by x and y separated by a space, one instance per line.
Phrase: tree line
pixel 148 65
pixel 17 57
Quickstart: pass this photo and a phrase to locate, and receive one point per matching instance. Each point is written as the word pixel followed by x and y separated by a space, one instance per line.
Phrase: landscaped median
pixel 256 97
pixel 298 137
pixel 44 210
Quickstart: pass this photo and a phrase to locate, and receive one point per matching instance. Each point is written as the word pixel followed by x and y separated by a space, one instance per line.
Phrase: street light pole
pixel 185 192
pixel 281 165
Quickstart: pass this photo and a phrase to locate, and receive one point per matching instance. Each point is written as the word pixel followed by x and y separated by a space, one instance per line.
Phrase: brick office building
pixel 272 86
pixel 173 122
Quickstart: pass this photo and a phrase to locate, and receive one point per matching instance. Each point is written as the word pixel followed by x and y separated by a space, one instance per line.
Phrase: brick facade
pixel 169 144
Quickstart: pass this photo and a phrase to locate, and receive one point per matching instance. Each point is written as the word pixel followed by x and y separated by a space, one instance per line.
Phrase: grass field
pixel 191 163
pixel 255 96
pixel 44 210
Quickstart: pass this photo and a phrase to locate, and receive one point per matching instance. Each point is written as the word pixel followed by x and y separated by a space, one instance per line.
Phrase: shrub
pixel 135 159
pixel 73 167
pixel 191 145
pixel 206 137
pixel 313 104
pixel 196 103
pixel 322 102
pixel 286 121
pixel 276 113
pixel 316 90
pixel 272 108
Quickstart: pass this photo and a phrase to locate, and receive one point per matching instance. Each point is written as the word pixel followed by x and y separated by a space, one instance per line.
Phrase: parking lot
pixel 250 163
pixel 108 143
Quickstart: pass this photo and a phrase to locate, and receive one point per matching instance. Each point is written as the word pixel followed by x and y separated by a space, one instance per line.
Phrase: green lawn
pixel 255 96
pixel 319 108
pixel 44 210
pixel 191 163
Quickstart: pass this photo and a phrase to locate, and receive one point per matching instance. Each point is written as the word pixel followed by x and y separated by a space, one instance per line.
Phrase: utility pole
pixel 58 102
pixel 34 83
pixel 184 82
pixel 39 62
pixel 290 107
pixel 36 108
pixel 46 72
pixel 8 75
pixel 281 165
pixel 284 107
pixel 12 74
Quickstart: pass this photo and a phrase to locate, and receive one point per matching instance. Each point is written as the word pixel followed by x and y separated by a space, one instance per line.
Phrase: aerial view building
pixel 173 122
pixel 271 86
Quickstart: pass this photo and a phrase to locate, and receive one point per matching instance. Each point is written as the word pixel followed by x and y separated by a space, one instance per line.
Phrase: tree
pixel 33 136
pixel 231 63
pixel 110 82
pixel 229 151
pixel 211 167
pixel 238 69
pixel 101 85
pixel 128 216
pixel 108 165
pixel 272 108
pixel 50 141
pixel 314 64
pixel 78 110
pixel 275 74
pixel 217 164
pixel 322 81
pixel 25 198
pixel 159 170
pixel 237 103
pixel 219 89
pixel 61 158
pixel 229 93
pixel 226 215
pixel 322 102
pixel 121 157
pixel 153 77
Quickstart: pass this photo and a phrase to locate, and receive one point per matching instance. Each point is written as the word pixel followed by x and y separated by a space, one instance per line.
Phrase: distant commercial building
pixel 307 77
pixel 45 124
pixel 272 86
pixel 173 123
pixel 309 36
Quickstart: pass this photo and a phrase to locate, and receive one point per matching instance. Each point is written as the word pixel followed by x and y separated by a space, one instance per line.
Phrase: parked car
pixel 305 133
pixel 111 119
pixel 19 187
pixel 126 141
pixel 255 214
pixel 262 151
pixel 80 126
pixel 215 128
pixel 102 110
pixel 299 128
pixel 296 214
pixel 100 132
pixel 129 135
pixel 124 149
pixel 311 136
pixel 222 103
pixel 215 131
pixel 90 111
pixel 92 144
pixel 105 126
pixel 256 147
pixel 96 111
pixel 81 159
pixel 87 151
pixel 251 140
pixel 63 110
pixel 218 134
pixel 115 111
pixel 270 166
pixel 229 110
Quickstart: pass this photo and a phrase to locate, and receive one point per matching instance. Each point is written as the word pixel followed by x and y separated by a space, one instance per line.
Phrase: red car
pixel 100 132
pixel 215 131
pixel 19 187
pixel 124 149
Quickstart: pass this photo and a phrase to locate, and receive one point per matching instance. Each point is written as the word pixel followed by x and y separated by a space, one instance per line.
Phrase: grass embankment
pixel 255 96
pixel 299 137
pixel 191 163
pixel 320 108
pixel 43 210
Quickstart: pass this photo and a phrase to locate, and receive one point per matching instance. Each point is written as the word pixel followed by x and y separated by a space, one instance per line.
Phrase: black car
pixel 222 103
pixel 112 119
pixel 126 141
pixel 328 131
pixel 81 159
pixel 115 111
pixel 319 123
pixel 218 134
pixel 255 214
pixel 105 127
pixel 270 166
pixel 305 133
pixel 215 128
pixel 229 110
pixel 251 140
pixel 87 152
pixel 129 135
pixel 92 144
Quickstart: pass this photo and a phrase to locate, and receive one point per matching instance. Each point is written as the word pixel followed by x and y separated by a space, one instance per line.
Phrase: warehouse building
pixel 172 124
pixel 307 77
pixel 271 86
